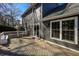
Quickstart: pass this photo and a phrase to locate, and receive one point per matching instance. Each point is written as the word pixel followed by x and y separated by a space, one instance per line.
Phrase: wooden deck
pixel 30 47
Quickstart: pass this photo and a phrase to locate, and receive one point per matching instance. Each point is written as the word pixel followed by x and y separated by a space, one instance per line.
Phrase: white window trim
pixel 51 30
pixel 75 30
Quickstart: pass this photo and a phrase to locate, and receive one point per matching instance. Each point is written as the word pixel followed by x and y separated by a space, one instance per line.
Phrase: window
pixel 55 29
pixel 68 30
pixel 65 30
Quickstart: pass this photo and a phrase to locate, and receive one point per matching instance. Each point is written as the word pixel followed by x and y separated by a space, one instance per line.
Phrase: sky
pixel 22 7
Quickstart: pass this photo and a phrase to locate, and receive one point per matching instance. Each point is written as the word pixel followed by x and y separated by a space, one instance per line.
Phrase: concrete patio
pixel 29 47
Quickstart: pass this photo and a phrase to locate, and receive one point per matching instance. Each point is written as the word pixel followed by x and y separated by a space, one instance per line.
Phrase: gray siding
pixel 68 11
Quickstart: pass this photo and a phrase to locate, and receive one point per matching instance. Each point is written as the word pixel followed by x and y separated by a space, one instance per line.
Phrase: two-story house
pixel 56 22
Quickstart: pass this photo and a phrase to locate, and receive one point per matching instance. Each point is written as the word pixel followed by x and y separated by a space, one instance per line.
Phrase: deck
pixel 29 47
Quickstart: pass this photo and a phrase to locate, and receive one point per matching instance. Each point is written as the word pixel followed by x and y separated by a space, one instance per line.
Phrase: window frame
pixel 75 29
pixel 51 29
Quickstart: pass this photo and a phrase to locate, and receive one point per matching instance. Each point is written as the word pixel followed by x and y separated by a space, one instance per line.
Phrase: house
pixel 7 23
pixel 56 22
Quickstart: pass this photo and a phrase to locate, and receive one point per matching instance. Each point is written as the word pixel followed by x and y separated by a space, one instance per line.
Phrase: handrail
pixel 13 34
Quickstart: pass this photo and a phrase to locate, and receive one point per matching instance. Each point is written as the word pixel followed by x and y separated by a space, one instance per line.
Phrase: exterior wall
pixel 28 22
pixel 38 13
pixel 70 9
pixel 31 19
pixel 58 41
pixel 46 29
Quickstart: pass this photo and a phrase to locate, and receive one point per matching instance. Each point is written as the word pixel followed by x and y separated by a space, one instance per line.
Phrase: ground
pixel 27 46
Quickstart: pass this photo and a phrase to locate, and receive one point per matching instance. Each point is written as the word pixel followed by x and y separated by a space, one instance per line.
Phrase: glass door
pixel 36 30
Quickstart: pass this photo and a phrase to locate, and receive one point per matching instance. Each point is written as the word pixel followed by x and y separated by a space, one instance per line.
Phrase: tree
pixel 9 9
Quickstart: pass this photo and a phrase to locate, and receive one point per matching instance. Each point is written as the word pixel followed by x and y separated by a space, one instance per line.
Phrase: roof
pixel 29 9
pixel 60 16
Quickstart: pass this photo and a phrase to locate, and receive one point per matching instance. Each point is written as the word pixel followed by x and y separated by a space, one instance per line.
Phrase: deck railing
pixel 16 34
